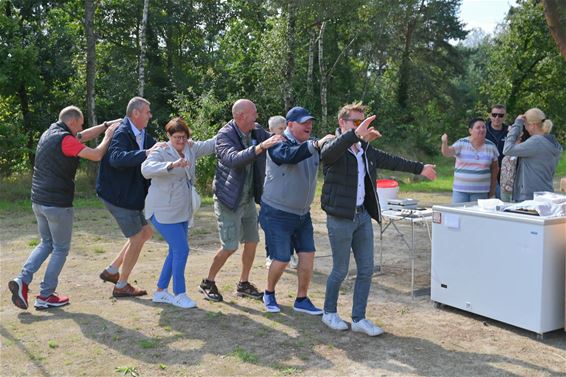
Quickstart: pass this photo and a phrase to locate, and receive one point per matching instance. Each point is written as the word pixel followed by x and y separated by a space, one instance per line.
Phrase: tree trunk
pixel 555 14
pixel 405 66
pixel 310 68
pixel 323 77
pixel 141 78
pixel 91 169
pixel 290 66
pixel 24 105
pixel 90 63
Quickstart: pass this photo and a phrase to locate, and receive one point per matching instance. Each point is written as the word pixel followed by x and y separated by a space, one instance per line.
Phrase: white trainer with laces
pixel 367 327
pixel 334 321
pixel 162 297
pixel 183 301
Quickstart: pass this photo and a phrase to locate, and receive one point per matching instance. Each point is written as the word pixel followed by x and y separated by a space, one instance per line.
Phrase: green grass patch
pixel 244 355
pixel 33 243
pixel 132 371
pixel 561 169
pixel 99 250
pixel 148 343
pixel 52 344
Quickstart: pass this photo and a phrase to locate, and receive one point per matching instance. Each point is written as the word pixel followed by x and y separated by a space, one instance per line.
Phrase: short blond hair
pixel 357 107
pixel 535 116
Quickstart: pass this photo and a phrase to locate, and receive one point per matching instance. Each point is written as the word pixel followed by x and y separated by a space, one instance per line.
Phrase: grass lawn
pixel 15 190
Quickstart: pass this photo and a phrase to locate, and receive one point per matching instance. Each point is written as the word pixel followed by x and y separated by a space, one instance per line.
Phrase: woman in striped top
pixel 475 172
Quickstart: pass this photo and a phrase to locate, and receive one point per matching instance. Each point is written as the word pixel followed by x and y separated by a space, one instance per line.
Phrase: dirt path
pixel 97 335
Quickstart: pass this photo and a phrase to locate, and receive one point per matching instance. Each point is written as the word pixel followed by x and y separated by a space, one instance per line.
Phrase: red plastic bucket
pixel 386 183
pixel 386 189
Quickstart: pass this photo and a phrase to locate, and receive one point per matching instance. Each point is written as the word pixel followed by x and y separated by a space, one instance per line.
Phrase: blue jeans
pixel 176 236
pixel 55 226
pixel 346 235
pixel 464 197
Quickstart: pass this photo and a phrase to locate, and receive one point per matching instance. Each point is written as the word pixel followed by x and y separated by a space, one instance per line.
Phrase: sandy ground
pixel 100 336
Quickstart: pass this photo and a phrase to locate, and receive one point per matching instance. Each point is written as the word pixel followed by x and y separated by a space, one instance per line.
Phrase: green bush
pixel 205 115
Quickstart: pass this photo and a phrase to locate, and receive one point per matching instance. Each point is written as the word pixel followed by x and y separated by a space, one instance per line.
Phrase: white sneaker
pixel 367 327
pixel 268 261
pixel 334 321
pixel 294 262
pixel 162 296
pixel 183 301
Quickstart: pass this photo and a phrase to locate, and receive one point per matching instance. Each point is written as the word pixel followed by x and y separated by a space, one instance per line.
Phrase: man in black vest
pixel 52 192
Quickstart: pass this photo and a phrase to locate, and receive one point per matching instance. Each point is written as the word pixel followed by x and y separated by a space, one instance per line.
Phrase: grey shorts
pixel 130 221
pixel 236 226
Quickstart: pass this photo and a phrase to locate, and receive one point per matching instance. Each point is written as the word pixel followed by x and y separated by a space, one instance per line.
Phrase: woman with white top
pixel 168 204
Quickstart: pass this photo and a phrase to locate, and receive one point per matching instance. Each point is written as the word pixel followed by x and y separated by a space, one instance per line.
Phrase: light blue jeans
pixel 345 235
pixel 55 226
pixel 464 197
pixel 176 236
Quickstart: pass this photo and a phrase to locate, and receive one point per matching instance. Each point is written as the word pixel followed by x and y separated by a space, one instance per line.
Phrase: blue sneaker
pixel 306 306
pixel 270 303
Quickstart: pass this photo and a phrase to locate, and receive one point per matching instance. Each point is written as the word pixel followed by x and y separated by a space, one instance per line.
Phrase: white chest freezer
pixel 504 266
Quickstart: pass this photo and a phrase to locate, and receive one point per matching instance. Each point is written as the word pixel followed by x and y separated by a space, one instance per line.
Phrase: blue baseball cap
pixel 298 114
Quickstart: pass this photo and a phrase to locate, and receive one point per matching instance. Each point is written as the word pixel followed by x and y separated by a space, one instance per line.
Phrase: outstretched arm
pixel 96 154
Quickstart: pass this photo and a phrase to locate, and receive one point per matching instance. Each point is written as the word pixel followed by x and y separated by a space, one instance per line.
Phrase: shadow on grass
pixel 287 342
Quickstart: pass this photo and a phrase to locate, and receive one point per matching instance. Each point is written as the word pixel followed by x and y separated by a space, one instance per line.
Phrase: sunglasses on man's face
pixel 356 122
pixel 495 115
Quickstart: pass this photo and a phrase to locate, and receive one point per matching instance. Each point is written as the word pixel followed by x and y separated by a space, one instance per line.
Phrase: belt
pixel 360 209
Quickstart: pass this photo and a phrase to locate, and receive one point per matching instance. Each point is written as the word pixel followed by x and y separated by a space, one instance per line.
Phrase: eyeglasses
pixel 356 122
pixel 179 138
pixel 495 115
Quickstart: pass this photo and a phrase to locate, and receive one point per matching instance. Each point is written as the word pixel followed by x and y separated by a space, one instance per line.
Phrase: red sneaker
pixel 51 301
pixel 19 291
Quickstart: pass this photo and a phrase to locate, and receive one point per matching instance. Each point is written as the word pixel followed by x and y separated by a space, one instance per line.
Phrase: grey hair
pixel 276 120
pixel 70 112
pixel 136 103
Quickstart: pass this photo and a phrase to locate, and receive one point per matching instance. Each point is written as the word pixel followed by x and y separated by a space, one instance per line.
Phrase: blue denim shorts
pixel 286 231
pixel 130 221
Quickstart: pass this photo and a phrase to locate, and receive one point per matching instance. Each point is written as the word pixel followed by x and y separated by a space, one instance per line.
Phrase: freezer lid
pixel 473 210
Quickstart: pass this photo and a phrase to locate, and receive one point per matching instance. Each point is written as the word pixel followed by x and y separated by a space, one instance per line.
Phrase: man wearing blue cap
pixel 290 183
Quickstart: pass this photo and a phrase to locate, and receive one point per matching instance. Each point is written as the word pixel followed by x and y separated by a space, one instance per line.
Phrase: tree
pixel 143 27
pixel 90 63
pixel 555 14
pixel 525 67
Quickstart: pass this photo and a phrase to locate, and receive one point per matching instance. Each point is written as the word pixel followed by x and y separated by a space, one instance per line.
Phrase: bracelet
pixel 260 145
pixel 170 166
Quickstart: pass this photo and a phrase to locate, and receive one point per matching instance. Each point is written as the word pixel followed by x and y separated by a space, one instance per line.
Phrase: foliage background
pixel 411 61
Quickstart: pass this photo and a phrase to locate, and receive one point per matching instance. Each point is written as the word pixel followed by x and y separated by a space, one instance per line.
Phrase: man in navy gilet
pixel 52 192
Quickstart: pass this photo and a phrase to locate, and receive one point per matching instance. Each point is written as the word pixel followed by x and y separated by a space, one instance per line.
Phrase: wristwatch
pixel 106 124
pixel 79 136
